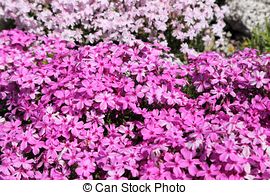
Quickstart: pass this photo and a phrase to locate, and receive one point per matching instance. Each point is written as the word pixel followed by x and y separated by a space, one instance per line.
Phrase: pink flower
pixel 85 168
pixel 219 78
pixel 75 126
pixel 209 173
pixel 259 79
pixel 23 162
pixel 258 103
pixel 127 131
pixel 172 98
pixel 263 159
pixel 26 139
pixel 7 168
pixel 227 151
pixel 116 175
pixel 173 161
pixel 151 131
pixel 117 111
pixel 105 99
pixel 188 162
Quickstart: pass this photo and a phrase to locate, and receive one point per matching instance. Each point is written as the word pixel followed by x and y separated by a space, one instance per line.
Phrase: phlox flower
pixel 258 80
pixel 119 111
pixel 105 99
pixel 85 168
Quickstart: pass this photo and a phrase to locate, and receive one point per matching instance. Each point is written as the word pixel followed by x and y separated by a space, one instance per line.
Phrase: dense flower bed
pixel 130 112
pixel 122 21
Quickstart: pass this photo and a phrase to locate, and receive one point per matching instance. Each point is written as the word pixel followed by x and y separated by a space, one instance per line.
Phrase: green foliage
pixel 190 90
pixel 221 2
pixel 260 38
pixel 6 24
pixel 3 108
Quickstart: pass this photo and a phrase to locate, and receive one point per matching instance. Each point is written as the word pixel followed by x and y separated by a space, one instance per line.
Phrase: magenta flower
pixel 258 103
pixel 26 139
pixel 7 168
pixel 85 168
pixel 23 163
pixel 259 79
pixel 116 175
pixel 209 173
pixel 263 159
pixel 227 151
pixel 188 162
pixel 117 111
pixel 173 162
pixel 105 99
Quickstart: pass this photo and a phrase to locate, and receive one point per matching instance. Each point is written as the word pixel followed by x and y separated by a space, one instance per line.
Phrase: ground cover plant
pixel 187 25
pixel 260 38
pixel 114 111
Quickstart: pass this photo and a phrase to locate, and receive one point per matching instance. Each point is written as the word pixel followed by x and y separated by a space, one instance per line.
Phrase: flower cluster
pixel 122 21
pixel 130 112
pixel 251 13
